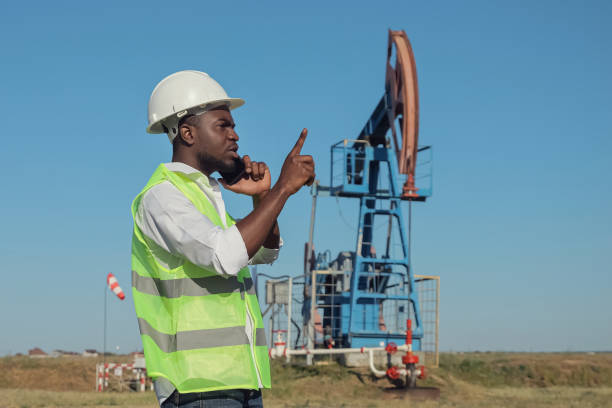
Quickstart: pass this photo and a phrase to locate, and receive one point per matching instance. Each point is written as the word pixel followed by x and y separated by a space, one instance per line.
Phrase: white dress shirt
pixel 176 231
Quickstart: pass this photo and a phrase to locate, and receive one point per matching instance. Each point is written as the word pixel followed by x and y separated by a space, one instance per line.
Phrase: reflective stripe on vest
pixel 193 320
pixel 196 339
pixel 173 288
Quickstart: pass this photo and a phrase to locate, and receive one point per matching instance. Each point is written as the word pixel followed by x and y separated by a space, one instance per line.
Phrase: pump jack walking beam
pixel 398 109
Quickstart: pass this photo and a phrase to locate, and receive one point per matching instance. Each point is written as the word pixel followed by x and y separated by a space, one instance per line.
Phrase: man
pixel 199 318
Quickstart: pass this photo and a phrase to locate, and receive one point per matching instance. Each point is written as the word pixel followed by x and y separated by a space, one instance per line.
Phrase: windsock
pixel 114 286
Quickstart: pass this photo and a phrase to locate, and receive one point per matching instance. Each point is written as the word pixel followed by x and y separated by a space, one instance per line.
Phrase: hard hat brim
pixel 157 127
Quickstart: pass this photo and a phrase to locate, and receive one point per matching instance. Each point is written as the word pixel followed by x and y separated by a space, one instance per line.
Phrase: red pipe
pixel 409 358
pixel 409 331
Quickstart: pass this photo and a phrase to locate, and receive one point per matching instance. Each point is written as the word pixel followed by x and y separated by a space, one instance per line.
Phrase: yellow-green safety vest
pixel 193 320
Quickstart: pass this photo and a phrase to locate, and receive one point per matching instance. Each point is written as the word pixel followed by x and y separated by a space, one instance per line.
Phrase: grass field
pixel 465 380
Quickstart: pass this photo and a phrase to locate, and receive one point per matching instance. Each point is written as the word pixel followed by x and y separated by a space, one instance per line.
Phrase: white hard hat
pixel 182 93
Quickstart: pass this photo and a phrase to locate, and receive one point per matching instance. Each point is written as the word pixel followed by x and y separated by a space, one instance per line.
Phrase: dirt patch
pixel 415 394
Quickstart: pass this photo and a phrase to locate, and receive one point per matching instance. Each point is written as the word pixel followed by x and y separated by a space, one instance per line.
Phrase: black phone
pixel 234 176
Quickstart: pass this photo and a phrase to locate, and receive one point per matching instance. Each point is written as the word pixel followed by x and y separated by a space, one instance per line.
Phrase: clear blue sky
pixel 515 97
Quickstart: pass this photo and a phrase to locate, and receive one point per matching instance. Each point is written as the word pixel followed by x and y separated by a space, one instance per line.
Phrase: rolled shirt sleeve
pixel 266 255
pixel 172 222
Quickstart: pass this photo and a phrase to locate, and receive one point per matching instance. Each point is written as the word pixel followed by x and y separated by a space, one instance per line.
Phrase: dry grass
pixel 53 374
pixel 21 398
pixel 529 369
pixel 478 397
pixel 466 380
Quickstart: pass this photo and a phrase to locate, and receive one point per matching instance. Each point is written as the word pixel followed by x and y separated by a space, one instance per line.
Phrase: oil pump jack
pixel 367 298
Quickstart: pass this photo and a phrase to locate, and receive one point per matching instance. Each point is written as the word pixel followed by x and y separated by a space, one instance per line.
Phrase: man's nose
pixel 233 135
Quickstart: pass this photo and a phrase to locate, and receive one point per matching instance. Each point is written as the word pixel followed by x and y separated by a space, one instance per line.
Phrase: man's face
pixel 216 141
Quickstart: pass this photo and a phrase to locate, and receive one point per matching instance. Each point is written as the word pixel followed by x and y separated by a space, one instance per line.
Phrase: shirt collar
pixel 193 174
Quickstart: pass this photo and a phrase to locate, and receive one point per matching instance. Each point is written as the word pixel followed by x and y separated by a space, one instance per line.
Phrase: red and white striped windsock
pixel 114 286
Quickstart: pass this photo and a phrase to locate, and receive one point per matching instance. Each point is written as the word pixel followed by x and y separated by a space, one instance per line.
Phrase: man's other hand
pixel 298 170
pixel 256 179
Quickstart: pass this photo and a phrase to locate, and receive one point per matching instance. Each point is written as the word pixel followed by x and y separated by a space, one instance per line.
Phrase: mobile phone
pixel 234 176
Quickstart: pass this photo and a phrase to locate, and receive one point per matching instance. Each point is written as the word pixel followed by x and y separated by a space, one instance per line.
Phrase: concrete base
pixel 380 359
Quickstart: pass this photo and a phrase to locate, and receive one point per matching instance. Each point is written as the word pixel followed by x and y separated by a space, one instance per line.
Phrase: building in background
pixel 37 353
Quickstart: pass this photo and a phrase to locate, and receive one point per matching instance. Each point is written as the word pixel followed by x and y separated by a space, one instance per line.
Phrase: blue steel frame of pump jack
pixel 358 177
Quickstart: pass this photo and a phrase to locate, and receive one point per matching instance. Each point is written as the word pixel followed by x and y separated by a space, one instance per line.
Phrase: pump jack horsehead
pixel 398 110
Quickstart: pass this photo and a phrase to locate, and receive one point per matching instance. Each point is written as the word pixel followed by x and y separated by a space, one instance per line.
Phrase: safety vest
pixel 193 320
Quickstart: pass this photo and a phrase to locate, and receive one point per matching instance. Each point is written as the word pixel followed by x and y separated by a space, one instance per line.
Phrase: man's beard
pixel 207 161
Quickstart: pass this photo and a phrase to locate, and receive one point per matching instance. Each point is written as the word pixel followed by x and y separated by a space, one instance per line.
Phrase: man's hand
pixel 256 179
pixel 260 225
pixel 298 170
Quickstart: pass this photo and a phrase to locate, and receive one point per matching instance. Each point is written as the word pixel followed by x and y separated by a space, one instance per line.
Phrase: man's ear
pixel 186 133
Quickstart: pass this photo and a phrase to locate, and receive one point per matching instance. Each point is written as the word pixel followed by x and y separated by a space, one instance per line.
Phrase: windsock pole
pixel 104 347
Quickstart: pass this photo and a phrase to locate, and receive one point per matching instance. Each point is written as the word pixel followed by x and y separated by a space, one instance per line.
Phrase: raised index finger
pixel 300 142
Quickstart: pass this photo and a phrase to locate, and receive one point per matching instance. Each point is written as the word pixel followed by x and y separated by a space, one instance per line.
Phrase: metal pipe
pixel 311 326
pixel 311 334
pixel 313 211
pixel 280 351
pixel 283 351
pixel 271 325
pixel 376 372
pixel 437 318
pixel 289 303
